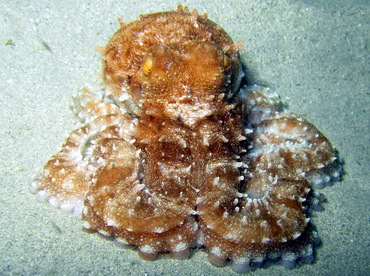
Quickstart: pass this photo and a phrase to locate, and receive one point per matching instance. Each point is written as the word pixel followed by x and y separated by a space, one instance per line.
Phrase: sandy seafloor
pixel 314 53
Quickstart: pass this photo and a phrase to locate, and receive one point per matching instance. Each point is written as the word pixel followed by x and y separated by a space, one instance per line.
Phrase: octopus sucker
pixel 177 153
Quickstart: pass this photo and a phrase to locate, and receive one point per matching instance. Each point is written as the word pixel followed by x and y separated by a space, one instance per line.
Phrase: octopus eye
pixel 226 63
pixel 147 65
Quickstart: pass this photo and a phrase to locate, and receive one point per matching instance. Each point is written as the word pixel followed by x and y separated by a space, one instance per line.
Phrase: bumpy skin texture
pixel 172 158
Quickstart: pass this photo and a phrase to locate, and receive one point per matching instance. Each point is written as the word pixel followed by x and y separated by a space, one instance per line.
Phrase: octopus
pixel 178 153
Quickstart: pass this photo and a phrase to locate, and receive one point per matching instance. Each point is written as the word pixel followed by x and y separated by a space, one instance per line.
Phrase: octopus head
pixel 187 70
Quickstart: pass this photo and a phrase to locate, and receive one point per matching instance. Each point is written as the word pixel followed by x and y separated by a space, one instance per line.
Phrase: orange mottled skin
pixel 175 154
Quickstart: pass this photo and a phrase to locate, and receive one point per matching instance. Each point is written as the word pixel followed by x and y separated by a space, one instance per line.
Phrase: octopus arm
pixel 66 176
pixel 91 102
pixel 273 215
pixel 284 144
pixel 119 204
pixel 267 213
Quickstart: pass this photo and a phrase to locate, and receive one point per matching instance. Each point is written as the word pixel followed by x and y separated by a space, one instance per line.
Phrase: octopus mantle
pixel 175 154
